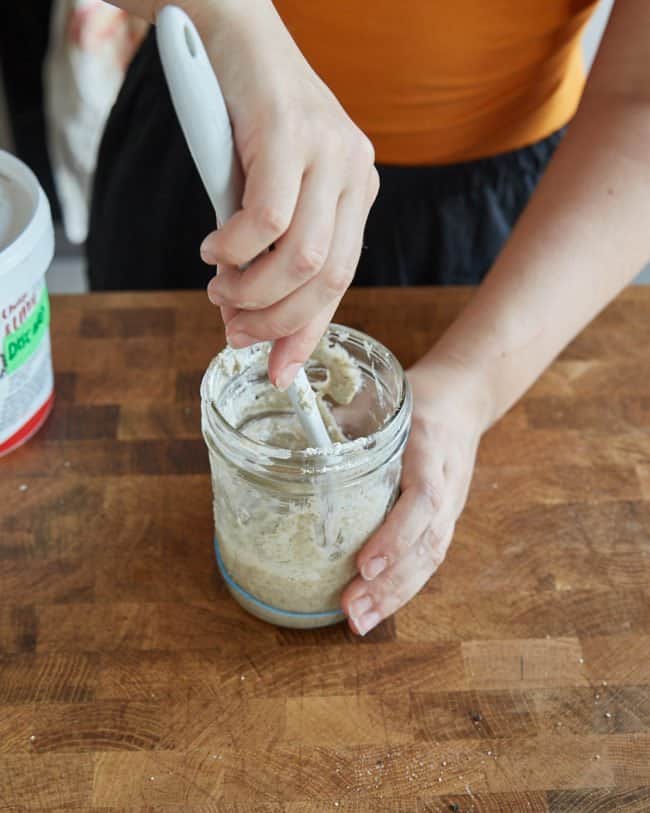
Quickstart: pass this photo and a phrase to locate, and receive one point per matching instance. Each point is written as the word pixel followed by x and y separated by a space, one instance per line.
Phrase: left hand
pixel 403 554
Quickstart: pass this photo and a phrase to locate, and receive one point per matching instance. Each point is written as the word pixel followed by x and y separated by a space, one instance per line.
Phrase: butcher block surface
pixel 518 680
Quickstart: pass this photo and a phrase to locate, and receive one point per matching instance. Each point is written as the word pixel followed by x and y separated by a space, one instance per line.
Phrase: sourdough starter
pixel 271 530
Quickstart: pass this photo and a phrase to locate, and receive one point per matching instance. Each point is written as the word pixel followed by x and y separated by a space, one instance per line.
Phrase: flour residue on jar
pixel 335 378
pixel 275 534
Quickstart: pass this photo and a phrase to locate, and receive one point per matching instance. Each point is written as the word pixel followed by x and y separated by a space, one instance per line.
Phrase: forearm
pixel 209 16
pixel 242 39
pixel 583 237
pixel 197 9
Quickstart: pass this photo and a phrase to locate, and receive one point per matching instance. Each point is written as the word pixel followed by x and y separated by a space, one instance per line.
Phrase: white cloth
pixel 91 44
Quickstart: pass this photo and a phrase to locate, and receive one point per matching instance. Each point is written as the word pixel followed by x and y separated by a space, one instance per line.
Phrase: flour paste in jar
pixel 274 540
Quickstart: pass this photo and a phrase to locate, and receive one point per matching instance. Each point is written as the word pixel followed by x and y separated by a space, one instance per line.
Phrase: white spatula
pixel 204 119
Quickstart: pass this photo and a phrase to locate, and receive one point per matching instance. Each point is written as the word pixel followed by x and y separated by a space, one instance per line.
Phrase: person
pixel 465 105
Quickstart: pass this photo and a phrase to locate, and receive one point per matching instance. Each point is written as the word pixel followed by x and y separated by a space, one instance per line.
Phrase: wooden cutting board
pixel 130 681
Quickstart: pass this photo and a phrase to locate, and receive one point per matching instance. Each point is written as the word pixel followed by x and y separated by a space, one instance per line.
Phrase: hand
pixel 399 559
pixel 310 183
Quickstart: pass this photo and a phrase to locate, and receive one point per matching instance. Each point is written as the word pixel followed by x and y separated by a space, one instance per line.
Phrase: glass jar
pixel 290 520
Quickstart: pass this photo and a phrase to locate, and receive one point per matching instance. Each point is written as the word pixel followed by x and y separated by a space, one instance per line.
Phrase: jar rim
pixel 343 456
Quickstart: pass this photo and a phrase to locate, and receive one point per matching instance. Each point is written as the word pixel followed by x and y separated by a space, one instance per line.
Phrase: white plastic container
pixel 26 249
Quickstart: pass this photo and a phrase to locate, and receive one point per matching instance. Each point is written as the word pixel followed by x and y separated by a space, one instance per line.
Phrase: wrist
pixel 438 375
pixel 216 17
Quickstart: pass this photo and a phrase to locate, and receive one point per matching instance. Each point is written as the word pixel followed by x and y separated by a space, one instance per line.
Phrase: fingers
pixel 227 311
pixel 415 510
pixel 227 314
pixel 368 603
pixel 273 183
pixel 298 256
pixel 403 554
pixel 290 353
pixel 324 291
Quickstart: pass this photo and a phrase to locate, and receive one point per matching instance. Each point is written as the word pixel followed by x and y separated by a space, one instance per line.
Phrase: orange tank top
pixel 431 81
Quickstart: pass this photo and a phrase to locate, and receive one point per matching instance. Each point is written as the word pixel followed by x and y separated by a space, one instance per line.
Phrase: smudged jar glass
pixel 290 521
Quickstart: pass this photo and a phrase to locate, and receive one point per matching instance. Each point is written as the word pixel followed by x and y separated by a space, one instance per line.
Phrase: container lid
pixel 25 219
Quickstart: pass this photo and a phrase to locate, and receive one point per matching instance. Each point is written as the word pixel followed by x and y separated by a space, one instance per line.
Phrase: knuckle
pixel 230 257
pixel 279 326
pixel 225 251
pixel 432 496
pixel 400 544
pixel 373 184
pixel 338 279
pixel 394 593
pixel 433 545
pixel 248 300
pixel 308 261
pixel 272 220
pixel 428 548
pixel 235 293
pixel 365 149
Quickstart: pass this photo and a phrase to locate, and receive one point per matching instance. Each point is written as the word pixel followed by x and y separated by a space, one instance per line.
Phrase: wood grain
pixel 130 682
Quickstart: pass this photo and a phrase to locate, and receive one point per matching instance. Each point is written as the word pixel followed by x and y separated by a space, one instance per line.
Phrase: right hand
pixel 310 181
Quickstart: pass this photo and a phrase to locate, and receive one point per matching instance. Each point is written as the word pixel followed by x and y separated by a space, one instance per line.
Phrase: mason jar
pixel 289 520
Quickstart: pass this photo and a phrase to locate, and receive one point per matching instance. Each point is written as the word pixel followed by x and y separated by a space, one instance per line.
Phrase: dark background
pixel 24 27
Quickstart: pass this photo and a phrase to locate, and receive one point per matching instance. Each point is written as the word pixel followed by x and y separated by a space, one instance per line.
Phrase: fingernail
pixel 373 567
pixel 240 340
pixel 286 376
pixel 360 606
pixel 367 622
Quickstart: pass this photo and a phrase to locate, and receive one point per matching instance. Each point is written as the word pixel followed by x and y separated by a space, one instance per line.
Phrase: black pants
pixel 439 225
